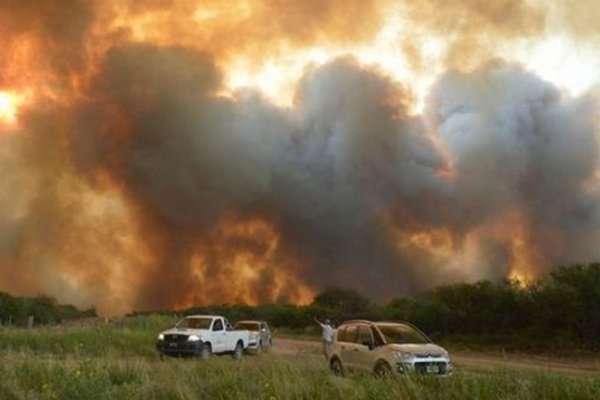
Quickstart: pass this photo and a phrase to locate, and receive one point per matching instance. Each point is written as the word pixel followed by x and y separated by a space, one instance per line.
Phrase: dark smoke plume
pixel 131 181
pixel 343 167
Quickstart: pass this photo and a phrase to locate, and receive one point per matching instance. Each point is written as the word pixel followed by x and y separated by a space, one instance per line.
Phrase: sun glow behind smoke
pixel 569 65
pixel 277 77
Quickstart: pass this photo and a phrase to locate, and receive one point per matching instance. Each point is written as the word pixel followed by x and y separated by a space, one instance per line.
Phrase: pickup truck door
pixel 231 336
pixel 218 336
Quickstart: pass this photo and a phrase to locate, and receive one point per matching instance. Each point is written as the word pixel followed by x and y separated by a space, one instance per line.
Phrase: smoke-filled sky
pixel 163 154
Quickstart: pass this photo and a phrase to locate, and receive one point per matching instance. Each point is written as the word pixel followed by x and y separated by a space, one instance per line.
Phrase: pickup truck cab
pixel 202 335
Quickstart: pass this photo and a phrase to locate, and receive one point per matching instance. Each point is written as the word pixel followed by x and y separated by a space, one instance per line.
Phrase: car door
pixel 348 346
pixel 218 336
pixel 363 354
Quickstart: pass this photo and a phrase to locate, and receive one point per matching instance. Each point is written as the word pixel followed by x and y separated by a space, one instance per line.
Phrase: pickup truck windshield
pixel 400 333
pixel 194 323
pixel 249 326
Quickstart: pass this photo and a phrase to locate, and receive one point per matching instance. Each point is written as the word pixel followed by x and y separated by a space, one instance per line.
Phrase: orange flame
pixel 251 268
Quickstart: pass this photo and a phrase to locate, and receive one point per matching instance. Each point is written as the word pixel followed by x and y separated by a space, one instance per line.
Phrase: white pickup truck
pixel 203 335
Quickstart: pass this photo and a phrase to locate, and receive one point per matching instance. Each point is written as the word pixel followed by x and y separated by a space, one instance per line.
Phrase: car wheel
pixel 259 347
pixel 383 370
pixel 238 351
pixel 268 347
pixel 205 351
pixel 336 367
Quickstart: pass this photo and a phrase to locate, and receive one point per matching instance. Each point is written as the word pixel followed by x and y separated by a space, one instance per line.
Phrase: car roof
pixel 357 321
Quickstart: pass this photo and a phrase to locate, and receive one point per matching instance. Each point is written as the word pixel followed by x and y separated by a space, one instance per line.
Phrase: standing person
pixel 327 336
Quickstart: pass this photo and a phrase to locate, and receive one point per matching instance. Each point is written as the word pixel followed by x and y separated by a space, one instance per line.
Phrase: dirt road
pixel 586 368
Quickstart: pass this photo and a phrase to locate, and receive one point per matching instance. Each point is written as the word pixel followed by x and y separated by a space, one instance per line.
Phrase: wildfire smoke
pixel 163 154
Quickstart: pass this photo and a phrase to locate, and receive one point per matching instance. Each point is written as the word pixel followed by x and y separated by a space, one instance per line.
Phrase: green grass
pixel 112 362
pixel 134 337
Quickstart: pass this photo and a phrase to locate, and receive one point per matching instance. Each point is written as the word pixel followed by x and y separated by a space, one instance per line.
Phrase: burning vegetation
pixel 165 154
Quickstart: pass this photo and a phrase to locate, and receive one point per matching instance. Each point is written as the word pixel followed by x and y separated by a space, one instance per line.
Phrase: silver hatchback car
pixel 386 348
pixel 261 338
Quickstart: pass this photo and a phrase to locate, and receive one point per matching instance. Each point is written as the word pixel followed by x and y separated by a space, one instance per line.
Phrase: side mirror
pixel 263 330
pixel 368 344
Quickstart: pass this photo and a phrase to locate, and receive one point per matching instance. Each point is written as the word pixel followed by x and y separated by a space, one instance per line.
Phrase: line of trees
pixel 334 303
pixel 44 309
pixel 561 309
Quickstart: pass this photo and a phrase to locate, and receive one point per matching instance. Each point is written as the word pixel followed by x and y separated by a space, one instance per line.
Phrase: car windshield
pixel 401 333
pixel 249 326
pixel 194 323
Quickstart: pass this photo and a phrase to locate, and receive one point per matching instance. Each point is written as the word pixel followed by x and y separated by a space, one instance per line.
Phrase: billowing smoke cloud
pixel 137 184
pixel 523 156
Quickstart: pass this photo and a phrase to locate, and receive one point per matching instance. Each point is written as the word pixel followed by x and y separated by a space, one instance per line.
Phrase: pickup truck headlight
pixel 161 336
pixel 193 338
pixel 402 355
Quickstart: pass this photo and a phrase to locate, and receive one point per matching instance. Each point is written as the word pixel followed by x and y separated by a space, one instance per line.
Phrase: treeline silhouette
pixel 44 309
pixel 561 309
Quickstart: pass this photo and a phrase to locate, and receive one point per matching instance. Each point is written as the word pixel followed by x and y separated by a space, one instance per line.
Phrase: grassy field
pixel 105 362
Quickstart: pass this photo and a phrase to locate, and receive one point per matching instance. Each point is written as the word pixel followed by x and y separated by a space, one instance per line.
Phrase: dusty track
pixel 586 368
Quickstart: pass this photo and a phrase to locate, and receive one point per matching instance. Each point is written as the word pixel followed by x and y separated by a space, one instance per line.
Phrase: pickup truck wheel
pixel 267 347
pixel 238 351
pixel 336 367
pixel 205 351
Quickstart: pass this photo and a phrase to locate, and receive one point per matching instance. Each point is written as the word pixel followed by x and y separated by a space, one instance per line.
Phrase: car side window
pixel 341 334
pixel 364 335
pixel 351 333
pixel 217 325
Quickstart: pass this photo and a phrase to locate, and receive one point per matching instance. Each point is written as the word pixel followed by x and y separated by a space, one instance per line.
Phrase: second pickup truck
pixel 203 335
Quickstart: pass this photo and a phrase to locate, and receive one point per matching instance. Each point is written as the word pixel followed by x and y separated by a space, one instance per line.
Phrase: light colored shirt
pixel 327 332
